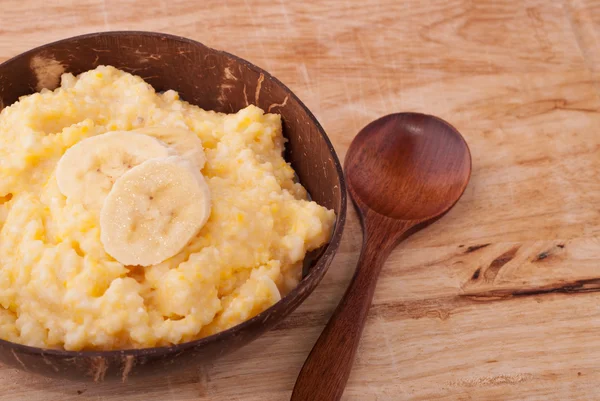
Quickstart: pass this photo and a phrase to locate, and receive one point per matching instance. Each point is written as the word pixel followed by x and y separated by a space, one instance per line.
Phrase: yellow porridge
pixel 130 218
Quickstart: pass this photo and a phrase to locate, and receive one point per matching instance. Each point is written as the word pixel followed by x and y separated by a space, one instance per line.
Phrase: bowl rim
pixel 257 320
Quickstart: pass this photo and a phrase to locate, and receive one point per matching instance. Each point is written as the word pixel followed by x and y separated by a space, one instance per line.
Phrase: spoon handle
pixel 327 368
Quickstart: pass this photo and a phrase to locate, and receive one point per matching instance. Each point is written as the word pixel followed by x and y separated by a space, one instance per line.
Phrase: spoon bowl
pixel 404 171
pixel 408 166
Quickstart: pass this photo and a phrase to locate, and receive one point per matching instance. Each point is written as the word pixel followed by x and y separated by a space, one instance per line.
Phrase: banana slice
pixel 184 141
pixel 153 211
pixel 88 170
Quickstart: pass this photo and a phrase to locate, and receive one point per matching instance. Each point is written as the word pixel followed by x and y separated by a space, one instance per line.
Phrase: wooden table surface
pixel 498 300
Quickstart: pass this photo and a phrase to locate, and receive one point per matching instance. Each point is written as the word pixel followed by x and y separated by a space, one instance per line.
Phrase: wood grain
pixel 521 81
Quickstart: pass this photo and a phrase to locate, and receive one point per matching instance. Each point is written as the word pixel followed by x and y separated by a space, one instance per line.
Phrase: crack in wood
pixel 474 248
pixel 494 268
pixel 573 287
pixel 546 254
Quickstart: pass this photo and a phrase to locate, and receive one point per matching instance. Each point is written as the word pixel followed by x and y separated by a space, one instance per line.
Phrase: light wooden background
pixel 498 300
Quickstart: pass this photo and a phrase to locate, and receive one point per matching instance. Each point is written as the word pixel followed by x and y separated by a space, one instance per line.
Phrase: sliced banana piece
pixel 88 170
pixel 153 211
pixel 185 142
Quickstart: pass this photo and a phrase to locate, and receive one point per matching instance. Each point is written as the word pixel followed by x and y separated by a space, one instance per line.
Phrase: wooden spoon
pixel 404 171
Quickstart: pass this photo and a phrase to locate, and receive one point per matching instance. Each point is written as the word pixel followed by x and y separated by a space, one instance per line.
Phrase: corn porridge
pixel 133 219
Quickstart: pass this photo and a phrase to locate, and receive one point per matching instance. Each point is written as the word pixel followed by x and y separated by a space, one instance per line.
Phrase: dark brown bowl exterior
pixel 213 80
